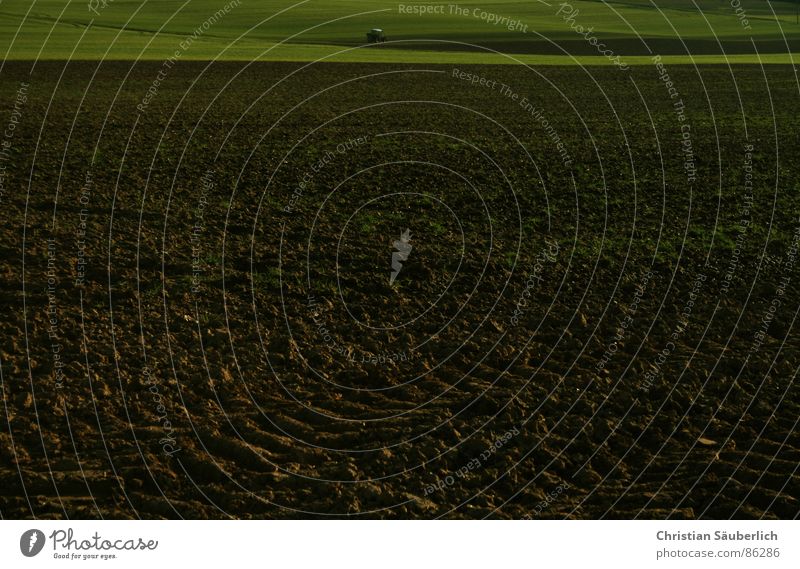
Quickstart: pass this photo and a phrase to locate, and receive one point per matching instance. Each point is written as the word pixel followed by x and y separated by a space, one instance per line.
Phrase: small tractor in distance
pixel 376 35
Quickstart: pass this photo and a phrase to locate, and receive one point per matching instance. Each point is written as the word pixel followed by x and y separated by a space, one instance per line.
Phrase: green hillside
pixel 470 31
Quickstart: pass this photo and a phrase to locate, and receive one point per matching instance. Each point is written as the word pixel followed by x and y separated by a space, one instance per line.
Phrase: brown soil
pixel 236 348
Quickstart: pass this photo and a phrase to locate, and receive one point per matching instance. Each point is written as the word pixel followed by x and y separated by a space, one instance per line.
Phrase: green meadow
pixel 472 31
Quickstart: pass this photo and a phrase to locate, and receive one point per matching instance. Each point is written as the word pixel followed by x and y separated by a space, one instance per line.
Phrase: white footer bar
pixel 399 544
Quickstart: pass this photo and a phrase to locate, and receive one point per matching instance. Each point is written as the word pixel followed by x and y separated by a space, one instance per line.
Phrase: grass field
pixel 403 281
pixel 310 30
